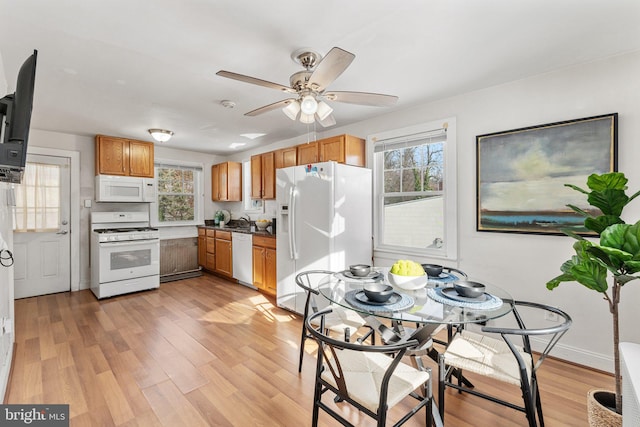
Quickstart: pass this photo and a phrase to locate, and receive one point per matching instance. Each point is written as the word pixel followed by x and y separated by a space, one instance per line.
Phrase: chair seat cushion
pixel 363 373
pixel 339 319
pixel 486 356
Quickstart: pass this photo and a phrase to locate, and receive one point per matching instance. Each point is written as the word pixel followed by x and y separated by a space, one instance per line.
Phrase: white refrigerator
pixel 324 215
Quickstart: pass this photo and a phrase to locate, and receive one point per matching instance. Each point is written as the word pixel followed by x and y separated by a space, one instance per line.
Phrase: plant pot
pixel 601 409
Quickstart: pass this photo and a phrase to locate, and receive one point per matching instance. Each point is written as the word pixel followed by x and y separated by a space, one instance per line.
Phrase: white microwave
pixel 111 188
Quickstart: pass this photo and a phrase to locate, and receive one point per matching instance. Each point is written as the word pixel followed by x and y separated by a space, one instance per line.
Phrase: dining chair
pixel 497 356
pixel 372 378
pixel 342 321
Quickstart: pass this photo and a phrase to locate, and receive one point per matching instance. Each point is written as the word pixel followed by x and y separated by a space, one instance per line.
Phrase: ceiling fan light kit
pixel 310 86
pixel 323 110
pixel 307 118
pixel 292 110
pixel 308 105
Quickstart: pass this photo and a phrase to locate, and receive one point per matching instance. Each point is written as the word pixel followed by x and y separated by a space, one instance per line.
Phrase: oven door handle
pixel 128 242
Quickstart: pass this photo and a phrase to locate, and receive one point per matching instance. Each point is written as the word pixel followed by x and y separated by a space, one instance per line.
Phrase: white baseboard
pixel 576 355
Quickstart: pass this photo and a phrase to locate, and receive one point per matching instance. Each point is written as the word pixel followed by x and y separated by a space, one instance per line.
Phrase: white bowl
pixel 409 283
pixel 262 225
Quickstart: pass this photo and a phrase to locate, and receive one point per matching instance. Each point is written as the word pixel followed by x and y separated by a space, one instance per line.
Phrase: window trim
pixel 449 251
pixel 198 192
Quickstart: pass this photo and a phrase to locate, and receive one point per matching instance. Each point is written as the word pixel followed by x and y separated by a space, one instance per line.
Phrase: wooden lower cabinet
pixel 264 264
pixel 202 247
pixel 210 251
pixel 224 254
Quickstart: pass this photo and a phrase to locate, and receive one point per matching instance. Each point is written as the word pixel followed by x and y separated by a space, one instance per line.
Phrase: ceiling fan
pixel 309 87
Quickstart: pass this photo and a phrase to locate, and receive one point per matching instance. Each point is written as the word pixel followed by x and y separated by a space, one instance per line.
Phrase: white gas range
pixel 125 253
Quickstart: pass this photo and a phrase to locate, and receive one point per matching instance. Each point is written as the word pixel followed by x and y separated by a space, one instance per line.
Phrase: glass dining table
pixel 416 314
pixel 433 304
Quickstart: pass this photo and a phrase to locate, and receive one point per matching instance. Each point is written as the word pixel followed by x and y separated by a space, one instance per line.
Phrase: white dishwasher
pixel 242 257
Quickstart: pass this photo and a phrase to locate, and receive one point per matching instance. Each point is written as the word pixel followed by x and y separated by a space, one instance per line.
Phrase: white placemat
pixel 492 301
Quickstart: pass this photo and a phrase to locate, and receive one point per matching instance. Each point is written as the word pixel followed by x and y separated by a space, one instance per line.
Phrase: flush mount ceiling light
pixel 161 135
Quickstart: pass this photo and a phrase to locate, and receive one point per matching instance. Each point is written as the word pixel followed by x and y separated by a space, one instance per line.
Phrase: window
pixel 38 198
pixel 414 170
pixel 179 198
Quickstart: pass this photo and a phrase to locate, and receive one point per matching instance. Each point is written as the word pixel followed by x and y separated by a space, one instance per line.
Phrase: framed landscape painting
pixel 521 174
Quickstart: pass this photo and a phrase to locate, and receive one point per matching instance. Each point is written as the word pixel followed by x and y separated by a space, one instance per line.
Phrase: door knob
pixel 65 222
pixel 62 232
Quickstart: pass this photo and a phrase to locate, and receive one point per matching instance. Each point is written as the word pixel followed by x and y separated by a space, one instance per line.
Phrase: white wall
pixel 523 263
pixel 6 274
pixel 85 145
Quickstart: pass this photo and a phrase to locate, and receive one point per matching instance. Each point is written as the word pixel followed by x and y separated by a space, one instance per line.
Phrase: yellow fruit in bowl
pixel 405 267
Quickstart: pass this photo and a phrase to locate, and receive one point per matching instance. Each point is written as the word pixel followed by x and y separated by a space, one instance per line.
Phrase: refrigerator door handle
pixel 293 251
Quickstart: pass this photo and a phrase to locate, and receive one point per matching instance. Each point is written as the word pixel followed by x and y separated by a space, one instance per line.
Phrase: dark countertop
pixel 245 230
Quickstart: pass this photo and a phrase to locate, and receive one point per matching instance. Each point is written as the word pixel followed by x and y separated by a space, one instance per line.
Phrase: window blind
pixel 413 140
pixel 178 166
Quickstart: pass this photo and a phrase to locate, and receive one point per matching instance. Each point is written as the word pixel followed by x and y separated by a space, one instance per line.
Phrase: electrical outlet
pixel 551 316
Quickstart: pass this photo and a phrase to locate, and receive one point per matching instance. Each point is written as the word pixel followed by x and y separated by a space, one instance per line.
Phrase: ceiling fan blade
pixel 328 121
pixel 270 107
pixel 362 98
pixel 330 67
pixel 255 81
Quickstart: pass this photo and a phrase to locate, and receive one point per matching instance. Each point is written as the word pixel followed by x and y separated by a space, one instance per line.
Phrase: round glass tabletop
pixel 434 303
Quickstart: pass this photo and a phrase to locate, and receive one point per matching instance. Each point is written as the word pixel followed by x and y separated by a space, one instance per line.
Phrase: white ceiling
pixel 120 67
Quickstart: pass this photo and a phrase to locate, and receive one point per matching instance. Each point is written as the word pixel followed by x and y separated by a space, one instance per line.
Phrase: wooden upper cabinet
pixel 307 153
pixel 263 176
pixel 256 177
pixel 121 156
pixel 268 176
pixel 140 159
pixel 286 157
pixel 226 182
pixel 345 149
pixel 215 182
pixel 112 156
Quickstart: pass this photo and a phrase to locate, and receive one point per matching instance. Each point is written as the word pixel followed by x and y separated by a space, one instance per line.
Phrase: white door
pixel 42 228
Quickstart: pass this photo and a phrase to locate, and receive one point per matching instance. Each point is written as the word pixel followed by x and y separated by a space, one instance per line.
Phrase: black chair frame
pixel 530 391
pixel 341 392
pixel 311 305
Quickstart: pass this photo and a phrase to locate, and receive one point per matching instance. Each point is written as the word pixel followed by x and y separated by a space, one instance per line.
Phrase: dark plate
pixel 394 298
pixel 451 293
pixel 371 276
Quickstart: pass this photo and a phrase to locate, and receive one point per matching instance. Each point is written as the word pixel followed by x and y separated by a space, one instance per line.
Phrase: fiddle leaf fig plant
pixel 615 257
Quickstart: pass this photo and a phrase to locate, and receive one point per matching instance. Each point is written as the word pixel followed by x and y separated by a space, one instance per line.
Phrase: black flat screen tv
pixel 15 112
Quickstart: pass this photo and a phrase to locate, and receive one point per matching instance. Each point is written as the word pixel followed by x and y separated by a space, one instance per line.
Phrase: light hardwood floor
pixel 205 352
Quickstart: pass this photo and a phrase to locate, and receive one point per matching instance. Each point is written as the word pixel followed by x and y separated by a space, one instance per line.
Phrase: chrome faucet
pixel 245 218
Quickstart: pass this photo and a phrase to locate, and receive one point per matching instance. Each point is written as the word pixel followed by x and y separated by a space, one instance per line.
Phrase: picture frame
pixel 521 174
